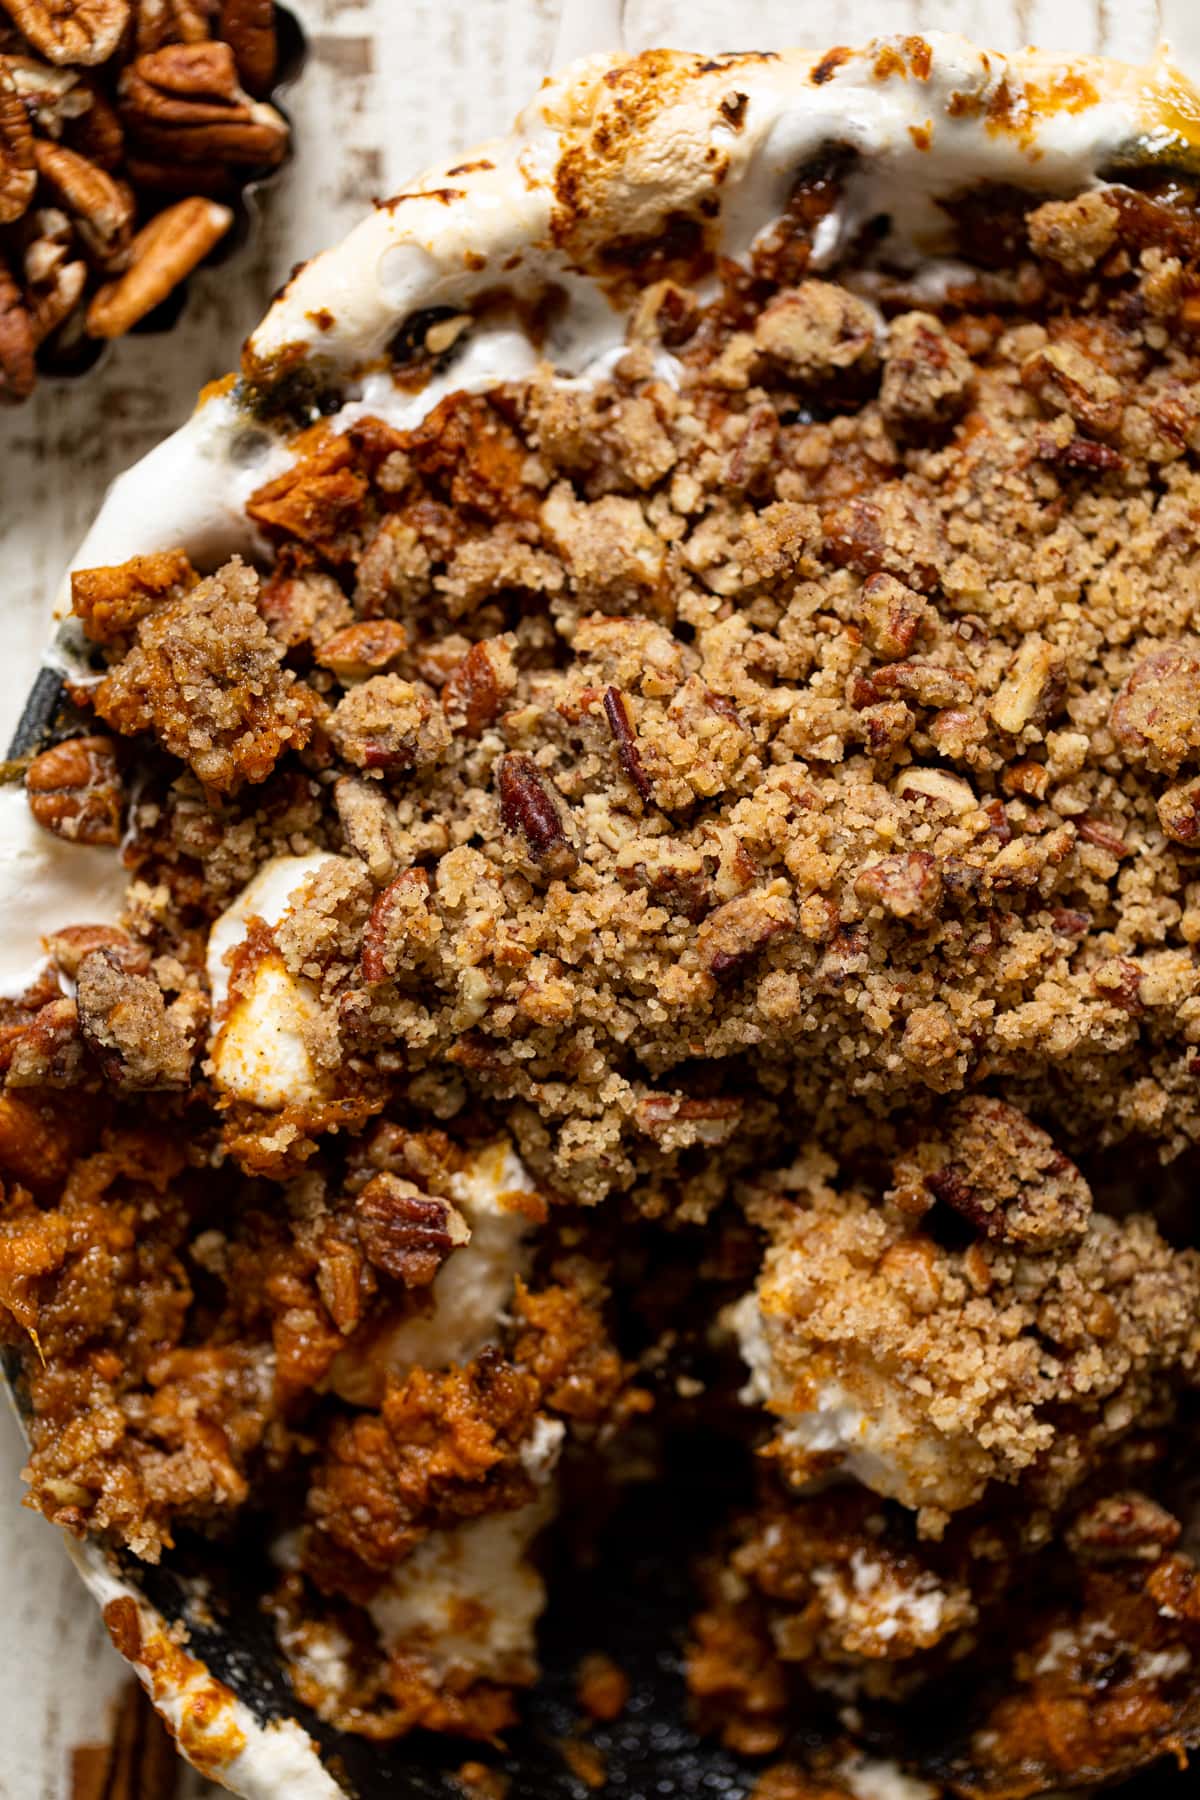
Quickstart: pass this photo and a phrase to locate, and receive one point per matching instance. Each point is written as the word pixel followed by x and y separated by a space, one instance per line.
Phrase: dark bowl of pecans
pixel 131 132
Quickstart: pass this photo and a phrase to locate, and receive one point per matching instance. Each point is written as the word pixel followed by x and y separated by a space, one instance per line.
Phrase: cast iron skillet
pixel 633 1599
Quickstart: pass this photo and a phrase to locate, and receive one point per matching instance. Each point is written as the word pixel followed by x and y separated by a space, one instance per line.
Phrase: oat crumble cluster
pixel 751 800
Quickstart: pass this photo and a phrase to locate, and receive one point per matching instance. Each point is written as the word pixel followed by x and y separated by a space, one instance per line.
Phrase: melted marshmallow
pixel 260 1050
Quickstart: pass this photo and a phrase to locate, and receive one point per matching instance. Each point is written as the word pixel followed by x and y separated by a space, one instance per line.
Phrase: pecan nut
pixel 101 206
pixel 18 342
pixel 184 104
pixel 71 31
pixel 528 809
pixel 163 254
pixel 53 280
pixel 74 790
pixel 406 1233
pixel 363 649
pixel 160 22
pixel 628 754
pixel 18 171
pixel 907 885
pixel 48 1051
pixel 248 27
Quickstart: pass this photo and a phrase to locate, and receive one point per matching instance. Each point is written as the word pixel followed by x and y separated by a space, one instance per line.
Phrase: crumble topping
pixel 612 800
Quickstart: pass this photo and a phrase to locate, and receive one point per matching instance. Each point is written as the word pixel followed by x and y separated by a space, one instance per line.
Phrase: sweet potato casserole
pixel 668 904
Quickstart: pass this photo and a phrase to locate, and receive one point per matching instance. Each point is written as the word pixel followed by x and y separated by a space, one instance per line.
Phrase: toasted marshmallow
pixel 260 1048
pixel 469 1598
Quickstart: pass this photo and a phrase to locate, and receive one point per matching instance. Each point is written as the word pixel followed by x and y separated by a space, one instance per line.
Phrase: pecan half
pixel 17 341
pixel 184 104
pixel 74 790
pixel 71 31
pixel 527 808
pixel 101 206
pixel 1120 1526
pixel 248 27
pixel 163 254
pixel 406 1233
pixel 159 22
pixel 54 281
pixel 18 171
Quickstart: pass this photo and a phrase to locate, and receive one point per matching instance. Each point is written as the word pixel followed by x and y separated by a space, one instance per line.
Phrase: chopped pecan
pixel 1119 981
pixel 938 787
pixel 908 885
pixel 926 683
pixel 893 616
pixel 18 372
pixel 1120 1526
pixel 137 1042
pixel 363 649
pixel 404 1232
pixel 738 931
pixel 1006 1177
pixel 18 169
pixel 1179 812
pixel 400 922
pixel 665 313
pixel 48 1051
pixel 1075 233
pixel 163 254
pixel 1065 380
pixel 1156 716
pixel 887 725
pixel 1076 452
pixel 817 331
pixel 1174 1586
pixel 477 687
pixel 1103 835
pixel 889 531
pixel 1028 779
pixel 372 830
pixel 184 102
pixel 101 205
pixel 926 377
pixel 390 724
pixel 74 790
pixel 248 27
pixel 1032 690
pixel 617 714
pixel 526 807
pixel 675 1122
pixel 71 31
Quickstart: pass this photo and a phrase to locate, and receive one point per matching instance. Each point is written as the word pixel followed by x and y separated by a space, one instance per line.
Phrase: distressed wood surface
pixel 390 85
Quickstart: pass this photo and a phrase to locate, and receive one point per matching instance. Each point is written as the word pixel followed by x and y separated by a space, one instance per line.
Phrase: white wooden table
pixel 390 85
